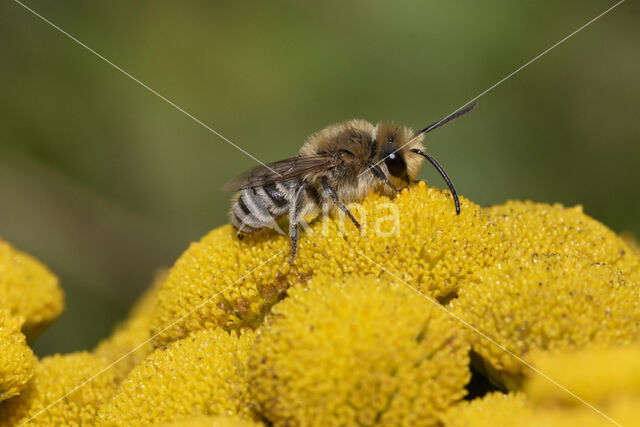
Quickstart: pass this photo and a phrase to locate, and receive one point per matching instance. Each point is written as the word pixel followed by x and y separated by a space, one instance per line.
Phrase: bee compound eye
pixel 396 165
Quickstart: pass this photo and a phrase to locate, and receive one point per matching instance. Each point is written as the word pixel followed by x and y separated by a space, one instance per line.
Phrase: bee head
pixel 393 146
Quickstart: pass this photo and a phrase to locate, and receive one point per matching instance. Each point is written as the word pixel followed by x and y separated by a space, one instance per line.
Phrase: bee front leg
pixel 294 217
pixel 377 172
pixel 332 193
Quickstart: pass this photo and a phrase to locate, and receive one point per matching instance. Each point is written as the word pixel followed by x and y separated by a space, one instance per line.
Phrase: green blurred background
pixel 105 182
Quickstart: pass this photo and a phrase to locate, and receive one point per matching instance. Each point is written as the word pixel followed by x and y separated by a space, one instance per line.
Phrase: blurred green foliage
pixel 105 182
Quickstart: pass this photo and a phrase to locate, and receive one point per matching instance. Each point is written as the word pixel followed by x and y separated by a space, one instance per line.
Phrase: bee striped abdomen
pixel 277 195
pixel 259 207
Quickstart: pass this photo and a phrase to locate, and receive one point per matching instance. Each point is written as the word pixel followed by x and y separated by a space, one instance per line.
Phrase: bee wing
pixel 280 171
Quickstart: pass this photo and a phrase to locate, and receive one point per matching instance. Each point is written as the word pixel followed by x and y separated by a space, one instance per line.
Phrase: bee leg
pixel 381 176
pixel 332 193
pixel 293 235
pixel 294 217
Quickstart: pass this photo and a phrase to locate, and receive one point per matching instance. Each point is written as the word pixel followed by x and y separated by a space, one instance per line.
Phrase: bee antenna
pixel 444 175
pixel 447 119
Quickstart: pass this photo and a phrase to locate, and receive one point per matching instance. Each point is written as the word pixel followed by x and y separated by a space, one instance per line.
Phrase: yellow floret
pixel 554 229
pixel 16 358
pixel 129 338
pixel 417 236
pixel 213 421
pixel 494 409
pixel 358 350
pixel 596 374
pixel 53 378
pixel 28 289
pixel 203 374
pixel 545 302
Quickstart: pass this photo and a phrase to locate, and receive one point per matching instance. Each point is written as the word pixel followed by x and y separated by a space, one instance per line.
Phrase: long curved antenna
pixel 447 119
pixel 444 176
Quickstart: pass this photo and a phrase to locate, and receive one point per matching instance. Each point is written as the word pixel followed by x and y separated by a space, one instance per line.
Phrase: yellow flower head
pixel 16 358
pixel 554 229
pixel 598 375
pixel 624 411
pixel 28 289
pixel 334 339
pixel 517 410
pixel 358 350
pixel 53 378
pixel 417 236
pixel 494 409
pixel 546 302
pixel 129 337
pixel 203 374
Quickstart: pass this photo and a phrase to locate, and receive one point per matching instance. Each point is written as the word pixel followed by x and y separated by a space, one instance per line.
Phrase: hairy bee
pixel 338 165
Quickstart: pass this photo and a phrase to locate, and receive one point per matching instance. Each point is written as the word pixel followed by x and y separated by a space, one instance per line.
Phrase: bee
pixel 338 165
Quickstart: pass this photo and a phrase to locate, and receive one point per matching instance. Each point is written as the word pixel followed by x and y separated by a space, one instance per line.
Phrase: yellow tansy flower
pixel 554 229
pixel 358 351
pixel 53 378
pixel 16 358
pixel 536 302
pixel 597 375
pixel 517 410
pixel 494 409
pixel 336 340
pixel 624 411
pixel 203 374
pixel 130 336
pixel 417 236
pixel 28 289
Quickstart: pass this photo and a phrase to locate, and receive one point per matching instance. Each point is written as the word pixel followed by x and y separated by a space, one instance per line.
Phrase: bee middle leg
pixel 332 193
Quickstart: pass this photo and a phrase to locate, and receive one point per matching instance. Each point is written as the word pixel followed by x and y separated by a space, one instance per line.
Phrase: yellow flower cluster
pixel 554 229
pixel 28 290
pixel 16 358
pixel 130 343
pixel 611 371
pixel 417 236
pixel 608 379
pixel 30 299
pixel 201 374
pixel 372 327
pixel 54 381
pixel 494 409
pixel 545 302
pixel 361 351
